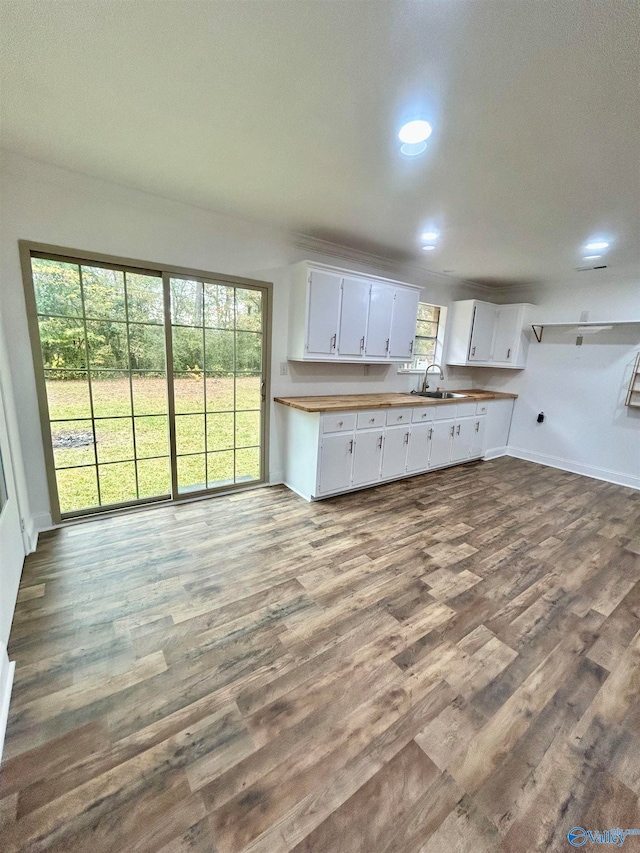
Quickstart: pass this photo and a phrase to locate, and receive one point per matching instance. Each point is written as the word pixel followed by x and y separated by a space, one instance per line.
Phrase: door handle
pixel 263 390
pixel 333 342
pixel 458 430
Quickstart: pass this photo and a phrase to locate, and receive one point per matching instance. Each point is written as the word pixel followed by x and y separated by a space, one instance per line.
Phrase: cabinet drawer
pixel 343 422
pixel 398 416
pixel 444 412
pixel 481 408
pixel 424 414
pixel 367 420
pixel 466 410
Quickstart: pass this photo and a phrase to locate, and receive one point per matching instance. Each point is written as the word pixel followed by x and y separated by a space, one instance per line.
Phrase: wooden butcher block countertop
pixel 348 402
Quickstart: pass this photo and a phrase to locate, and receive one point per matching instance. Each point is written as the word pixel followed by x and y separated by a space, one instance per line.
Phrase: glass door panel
pixel 218 372
pixel 101 371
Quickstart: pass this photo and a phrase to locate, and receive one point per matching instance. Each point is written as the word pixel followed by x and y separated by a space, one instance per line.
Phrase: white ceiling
pixel 287 112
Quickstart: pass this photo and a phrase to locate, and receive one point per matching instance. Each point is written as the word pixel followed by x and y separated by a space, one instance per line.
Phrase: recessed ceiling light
pixel 414 131
pixel 591 257
pixel 595 247
pixel 428 248
pixel 410 149
pixel 430 236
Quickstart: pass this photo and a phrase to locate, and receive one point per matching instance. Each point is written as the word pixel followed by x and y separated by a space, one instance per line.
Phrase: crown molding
pixel 342 252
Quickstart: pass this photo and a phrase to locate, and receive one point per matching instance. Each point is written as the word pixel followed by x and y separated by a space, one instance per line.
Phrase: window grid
pixel 419 361
pixel 200 296
pixel 73 284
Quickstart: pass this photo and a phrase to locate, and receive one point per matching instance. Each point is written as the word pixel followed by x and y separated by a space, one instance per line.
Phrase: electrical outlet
pixel 284 368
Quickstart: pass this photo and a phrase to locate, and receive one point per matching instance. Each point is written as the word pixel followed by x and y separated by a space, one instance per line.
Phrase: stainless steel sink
pixel 438 395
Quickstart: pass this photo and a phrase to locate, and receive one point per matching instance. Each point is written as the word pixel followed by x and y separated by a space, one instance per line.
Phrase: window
pixel 428 341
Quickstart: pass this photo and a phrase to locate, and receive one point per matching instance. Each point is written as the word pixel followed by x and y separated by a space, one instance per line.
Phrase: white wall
pixel 50 205
pixel 581 389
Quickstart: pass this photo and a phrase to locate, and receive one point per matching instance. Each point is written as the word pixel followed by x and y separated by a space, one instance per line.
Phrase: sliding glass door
pixel 153 383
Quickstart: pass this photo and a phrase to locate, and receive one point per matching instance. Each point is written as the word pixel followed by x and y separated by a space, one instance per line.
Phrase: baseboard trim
pixel 616 477
pixel 5 694
pixel 495 453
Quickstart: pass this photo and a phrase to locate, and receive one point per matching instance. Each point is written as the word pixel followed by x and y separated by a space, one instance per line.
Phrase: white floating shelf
pixel 587 327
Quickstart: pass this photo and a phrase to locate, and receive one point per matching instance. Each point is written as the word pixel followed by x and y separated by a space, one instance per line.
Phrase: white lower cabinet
pixel 441 443
pixel 394 454
pixel 462 439
pixel 336 457
pixel 478 442
pixel 367 457
pixel 419 447
pixel 336 452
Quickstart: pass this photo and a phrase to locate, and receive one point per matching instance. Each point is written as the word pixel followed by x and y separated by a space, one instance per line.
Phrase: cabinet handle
pixel 340 423
pixel 411 348
pixel 380 443
pixel 458 430
pixel 400 417
pixel 333 341
pixel 387 346
pixel 351 443
pixel 509 353
pixel 452 431
pixel 473 351
pixel 430 433
pixel 406 438
pixel 362 342
pixel 477 426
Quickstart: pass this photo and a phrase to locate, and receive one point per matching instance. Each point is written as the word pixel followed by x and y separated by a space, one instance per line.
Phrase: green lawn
pixel 230 441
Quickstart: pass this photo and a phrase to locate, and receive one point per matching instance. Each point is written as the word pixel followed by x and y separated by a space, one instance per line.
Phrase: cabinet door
pixel 463 439
pixel 367 456
pixel 394 455
pixel 484 319
pixel 477 445
pixel 403 323
pixel 441 443
pixel 419 447
pixel 379 326
pixel 324 311
pixel 505 341
pixel 353 316
pixel 336 457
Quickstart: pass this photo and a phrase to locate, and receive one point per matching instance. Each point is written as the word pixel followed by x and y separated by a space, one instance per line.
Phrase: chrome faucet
pixel 425 381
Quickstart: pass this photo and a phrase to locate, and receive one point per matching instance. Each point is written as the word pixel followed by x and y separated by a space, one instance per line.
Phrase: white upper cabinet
pixel 336 315
pixel 484 321
pixel 403 323
pixel 505 340
pixel 353 316
pixel 324 312
pixel 379 326
pixel 487 335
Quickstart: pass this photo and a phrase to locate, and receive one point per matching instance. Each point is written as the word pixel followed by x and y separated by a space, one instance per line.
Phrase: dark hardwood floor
pixel 447 663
